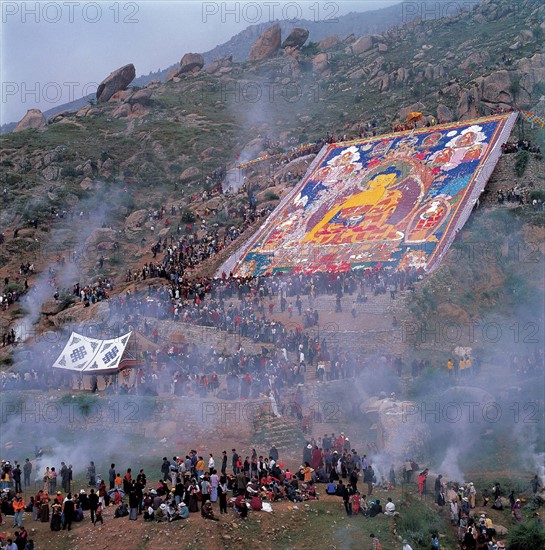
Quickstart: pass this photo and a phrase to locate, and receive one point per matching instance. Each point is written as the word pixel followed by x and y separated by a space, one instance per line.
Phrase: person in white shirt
pixel 406 545
pixel 390 508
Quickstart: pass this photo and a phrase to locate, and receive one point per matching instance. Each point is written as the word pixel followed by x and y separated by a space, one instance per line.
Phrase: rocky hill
pixel 159 145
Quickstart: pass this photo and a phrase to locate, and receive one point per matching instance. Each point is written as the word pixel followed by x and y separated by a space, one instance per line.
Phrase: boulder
pixel 58 117
pixel 223 63
pixel 468 104
pixel 34 118
pixel 382 47
pixel 172 74
pixel 266 45
pixel 296 38
pixel 444 114
pixel 328 43
pixel 190 173
pixel 50 157
pixel 51 173
pixel 123 111
pixel 526 36
pixel 362 44
pixel 100 236
pixel 320 62
pixel 402 74
pixel 297 167
pixel 496 87
pixel 141 96
pixel 415 107
pixel 191 62
pixel 107 168
pixel 86 183
pixel 117 80
pixel 119 96
pixel 532 74
pixel 88 169
pixel 208 153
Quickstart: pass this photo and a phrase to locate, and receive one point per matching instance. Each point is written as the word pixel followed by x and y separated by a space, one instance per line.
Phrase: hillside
pixel 102 201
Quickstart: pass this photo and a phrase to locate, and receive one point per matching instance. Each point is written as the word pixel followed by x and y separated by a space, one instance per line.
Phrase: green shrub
pixel 418 525
pixel 526 537
pixel 270 196
pixel 538 195
pixel 521 163
pixel 188 216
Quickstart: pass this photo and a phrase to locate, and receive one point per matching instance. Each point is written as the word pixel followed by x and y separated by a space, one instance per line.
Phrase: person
pixel 376 542
pixel 56 515
pixel 454 512
pixel 516 511
pixel 224 463
pixel 112 476
pixel 374 509
pixel 91 474
pixel 406 545
pixel 18 507
pixel 392 476
pixel 98 515
pixel 133 504
pixel 68 510
pixel 434 542
pixel 222 492
pixel 390 508
pixel 16 474
pixel 27 470
pixel 207 512
pixel 536 484
pixel 93 504
pixel 345 494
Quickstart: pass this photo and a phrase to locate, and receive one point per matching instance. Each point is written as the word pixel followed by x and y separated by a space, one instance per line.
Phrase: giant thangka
pixel 91 355
pixel 395 200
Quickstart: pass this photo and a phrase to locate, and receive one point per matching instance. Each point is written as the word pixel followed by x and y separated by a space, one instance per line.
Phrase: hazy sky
pixel 56 51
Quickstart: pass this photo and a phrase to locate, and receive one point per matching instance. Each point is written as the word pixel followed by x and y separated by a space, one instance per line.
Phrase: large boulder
pixel 320 62
pixel 191 62
pixel 532 74
pixel 362 44
pixel 190 174
pixel 328 43
pixel 219 64
pixel 266 45
pixel 117 80
pixel 297 167
pixel 141 96
pixel 100 238
pixel 496 88
pixel 296 38
pixel 34 118
pixel 468 103
pixel 415 107
pixel 444 114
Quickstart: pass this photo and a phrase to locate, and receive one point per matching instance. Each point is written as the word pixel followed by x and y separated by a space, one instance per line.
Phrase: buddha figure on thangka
pixel 375 200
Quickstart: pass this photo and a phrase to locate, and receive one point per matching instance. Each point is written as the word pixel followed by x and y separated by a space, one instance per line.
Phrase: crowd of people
pixel 231 483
